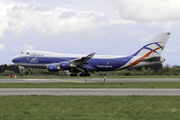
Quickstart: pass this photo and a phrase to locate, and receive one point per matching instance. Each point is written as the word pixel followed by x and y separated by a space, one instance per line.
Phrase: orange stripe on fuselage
pixel 142 58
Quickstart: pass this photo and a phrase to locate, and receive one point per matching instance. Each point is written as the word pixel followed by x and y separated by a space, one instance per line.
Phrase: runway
pixel 82 80
pixel 87 92
pixel 97 92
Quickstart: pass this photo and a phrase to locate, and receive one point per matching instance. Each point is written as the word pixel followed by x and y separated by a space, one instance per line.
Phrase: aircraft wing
pixel 82 60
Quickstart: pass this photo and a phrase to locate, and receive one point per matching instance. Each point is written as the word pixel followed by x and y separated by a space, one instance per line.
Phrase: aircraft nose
pixel 15 59
pixel 12 59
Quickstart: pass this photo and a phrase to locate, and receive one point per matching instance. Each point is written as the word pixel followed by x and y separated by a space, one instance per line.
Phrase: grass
pixel 89 107
pixel 58 77
pixel 93 85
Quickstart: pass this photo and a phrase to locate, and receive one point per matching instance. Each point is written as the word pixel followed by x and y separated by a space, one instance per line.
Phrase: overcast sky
pixel 117 27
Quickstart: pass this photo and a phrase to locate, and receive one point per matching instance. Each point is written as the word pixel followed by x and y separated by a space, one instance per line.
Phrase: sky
pixel 107 27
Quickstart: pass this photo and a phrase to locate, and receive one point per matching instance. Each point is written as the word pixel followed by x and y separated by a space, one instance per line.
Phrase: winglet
pixel 91 55
pixel 83 60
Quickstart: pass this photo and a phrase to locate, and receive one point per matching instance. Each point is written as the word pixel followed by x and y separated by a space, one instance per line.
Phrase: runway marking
pixel 68 81
pixel 35 79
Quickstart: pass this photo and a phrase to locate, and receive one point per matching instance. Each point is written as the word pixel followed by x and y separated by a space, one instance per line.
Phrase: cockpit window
pixel 21 52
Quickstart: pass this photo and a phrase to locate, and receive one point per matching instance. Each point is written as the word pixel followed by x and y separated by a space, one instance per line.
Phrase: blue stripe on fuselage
pixel 41 60
pixel 94 63
pixel 108 64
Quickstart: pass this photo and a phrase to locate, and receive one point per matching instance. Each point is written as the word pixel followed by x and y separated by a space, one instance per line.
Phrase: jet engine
pixel 61 66
pixel 64 65
pixel 52 67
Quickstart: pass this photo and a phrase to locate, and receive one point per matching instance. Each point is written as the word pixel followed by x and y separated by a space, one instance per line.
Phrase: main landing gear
pixel 73 75
pixel 82 75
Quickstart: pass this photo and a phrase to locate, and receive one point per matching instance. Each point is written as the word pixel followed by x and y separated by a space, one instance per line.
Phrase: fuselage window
pixel 21 52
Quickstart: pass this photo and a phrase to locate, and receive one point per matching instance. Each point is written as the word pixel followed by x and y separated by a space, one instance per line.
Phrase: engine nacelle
pixel 64 65
pixel 61 66
pixel 52 68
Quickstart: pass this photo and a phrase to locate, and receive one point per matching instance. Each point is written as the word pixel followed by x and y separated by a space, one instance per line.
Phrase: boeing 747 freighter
pixel 83 64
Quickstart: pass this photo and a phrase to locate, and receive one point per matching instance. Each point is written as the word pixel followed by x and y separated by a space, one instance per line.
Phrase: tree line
pixel 157 69
pixel 6 70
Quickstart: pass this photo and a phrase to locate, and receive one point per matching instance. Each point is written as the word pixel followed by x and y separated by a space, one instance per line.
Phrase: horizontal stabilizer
pixel 152 59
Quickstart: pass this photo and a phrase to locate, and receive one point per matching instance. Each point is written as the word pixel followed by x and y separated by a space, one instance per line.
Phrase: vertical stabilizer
pixel 154 47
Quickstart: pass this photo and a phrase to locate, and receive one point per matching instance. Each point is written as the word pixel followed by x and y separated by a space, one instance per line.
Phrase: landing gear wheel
pixel 73 75
pixel 81 75
pixel 26 73
pixel 85 74
pixel 88 74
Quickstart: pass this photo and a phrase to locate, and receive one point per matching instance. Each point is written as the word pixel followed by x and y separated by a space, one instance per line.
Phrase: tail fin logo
pixel 158 42
pixel 148 47
pixel 152 50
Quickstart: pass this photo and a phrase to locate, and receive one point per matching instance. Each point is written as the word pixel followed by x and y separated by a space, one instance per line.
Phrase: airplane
pixel 81 64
